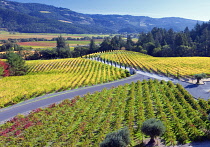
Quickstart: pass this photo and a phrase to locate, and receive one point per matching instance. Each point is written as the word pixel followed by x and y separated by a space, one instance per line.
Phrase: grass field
pixel 51 44
pixel 5 35
pixel 46 76
pixel 175 66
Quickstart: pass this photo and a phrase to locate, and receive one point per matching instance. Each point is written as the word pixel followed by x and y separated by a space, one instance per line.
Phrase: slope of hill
pixel 32 17
pixel 56 75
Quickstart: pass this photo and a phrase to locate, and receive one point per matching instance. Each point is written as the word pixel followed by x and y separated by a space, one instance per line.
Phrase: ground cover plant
pixel 170 66
pixel 85 121
pixel 46 76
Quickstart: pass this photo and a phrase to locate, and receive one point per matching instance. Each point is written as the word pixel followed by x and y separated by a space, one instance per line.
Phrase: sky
pixel 191 9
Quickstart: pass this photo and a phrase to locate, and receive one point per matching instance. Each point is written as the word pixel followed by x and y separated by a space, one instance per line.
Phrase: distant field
pixel 5 35
pixel 50 44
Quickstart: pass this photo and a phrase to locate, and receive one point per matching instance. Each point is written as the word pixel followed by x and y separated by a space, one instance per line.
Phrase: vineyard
pixel 47 76
pixel 85 121
pixel 169 66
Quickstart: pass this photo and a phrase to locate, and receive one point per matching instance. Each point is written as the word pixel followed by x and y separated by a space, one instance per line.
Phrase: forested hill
pixel 31 17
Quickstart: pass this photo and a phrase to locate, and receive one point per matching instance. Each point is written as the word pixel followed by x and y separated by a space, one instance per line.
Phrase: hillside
pixel 32 17
pixel 168 66
pixel 57 75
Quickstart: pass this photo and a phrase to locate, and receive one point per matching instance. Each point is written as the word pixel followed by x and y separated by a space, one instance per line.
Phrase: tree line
pixel 11 40
pixel 158 42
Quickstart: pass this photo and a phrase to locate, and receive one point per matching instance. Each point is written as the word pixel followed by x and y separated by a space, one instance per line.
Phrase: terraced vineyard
pixel 176 66
pixel 85 121
pixel 55 75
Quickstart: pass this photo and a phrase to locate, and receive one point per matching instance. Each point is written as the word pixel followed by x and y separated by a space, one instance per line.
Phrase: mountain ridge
pixel 42 18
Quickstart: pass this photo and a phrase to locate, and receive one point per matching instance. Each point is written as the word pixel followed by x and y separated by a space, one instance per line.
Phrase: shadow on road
pixel 191 86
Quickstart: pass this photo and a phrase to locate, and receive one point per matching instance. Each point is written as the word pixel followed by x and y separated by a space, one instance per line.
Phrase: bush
pixel 4 69
pixel 119 138
pixel 127 73
pixel 153 128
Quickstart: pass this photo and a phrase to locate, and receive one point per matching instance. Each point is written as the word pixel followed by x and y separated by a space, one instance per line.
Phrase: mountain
pixel 41 18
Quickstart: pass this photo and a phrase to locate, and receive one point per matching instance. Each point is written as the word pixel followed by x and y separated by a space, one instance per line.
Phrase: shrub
pixel 153 128
pixel 4 71
pixel 127 73
pixel 119 138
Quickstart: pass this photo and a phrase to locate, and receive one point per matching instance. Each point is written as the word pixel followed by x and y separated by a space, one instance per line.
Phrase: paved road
pixel 197 91
pixel 43 101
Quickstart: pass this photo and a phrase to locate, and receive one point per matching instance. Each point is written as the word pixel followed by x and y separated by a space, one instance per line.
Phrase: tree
pixel 62 49
pixel 129 43
pixel 199 77
pixel 117 43
pixel 153 128
pixel 61 42
pixel 92 46
pixel 4 69
pixel 149 47
pixel 48 54
pixel 17 65
pixel 105 45
pixel 120 138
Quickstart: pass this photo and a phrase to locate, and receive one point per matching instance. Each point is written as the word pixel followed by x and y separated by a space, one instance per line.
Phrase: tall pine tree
pixel 17 65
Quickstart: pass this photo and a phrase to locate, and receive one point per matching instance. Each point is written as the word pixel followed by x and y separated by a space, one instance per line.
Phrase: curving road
pixel 43 101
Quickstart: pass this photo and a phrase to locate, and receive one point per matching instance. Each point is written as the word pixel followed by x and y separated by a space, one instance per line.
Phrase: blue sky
pixel 192 9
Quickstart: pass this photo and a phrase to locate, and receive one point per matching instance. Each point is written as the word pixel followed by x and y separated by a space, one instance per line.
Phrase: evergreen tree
pixel 92 46
pixel 105 45
pixel 61 42
pixel 129 43
pixel 62 48
pixel 117 43
pixel 17 65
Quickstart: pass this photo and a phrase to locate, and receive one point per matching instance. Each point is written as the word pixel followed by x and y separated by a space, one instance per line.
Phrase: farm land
pixel 56 75
pixel 177 67
pixel 51 44
pixel 85 121
pixel 5 35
